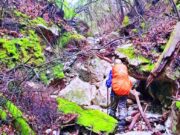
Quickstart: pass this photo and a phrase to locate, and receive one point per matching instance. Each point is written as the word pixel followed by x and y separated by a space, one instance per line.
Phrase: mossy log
pixel 171 47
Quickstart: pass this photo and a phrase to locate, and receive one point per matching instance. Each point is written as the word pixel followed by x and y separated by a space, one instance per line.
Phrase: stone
pixel 79 91
pixel 136 133
pixel 95 71
pixel 101 96
pixel 50 33
pixel 129 102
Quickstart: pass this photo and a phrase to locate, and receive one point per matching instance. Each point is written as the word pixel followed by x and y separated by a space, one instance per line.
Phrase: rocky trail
pixel 53 69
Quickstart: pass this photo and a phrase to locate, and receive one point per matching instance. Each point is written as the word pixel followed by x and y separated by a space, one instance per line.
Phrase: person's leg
pixel 122 108
pixel 114 103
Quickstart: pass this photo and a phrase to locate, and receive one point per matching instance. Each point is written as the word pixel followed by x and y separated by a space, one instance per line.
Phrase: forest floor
pixel 22 84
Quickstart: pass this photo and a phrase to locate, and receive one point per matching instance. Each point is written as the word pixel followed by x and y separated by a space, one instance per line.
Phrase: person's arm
pixel 109 80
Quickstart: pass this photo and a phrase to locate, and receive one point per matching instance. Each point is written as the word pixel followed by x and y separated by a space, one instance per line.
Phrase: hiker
pixel 121 85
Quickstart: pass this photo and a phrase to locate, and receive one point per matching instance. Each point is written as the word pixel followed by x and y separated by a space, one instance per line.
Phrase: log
pixel 171 47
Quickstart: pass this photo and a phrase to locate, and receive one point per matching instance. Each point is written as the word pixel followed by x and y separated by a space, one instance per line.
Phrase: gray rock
pixel 137 133
pixel 78 91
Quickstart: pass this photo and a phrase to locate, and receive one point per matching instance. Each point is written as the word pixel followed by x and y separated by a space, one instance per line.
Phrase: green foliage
pixel 94 120
pixel 69 36
pixel 55 72
pixel 178 104
pixel 17 50
pixel 125 21
pixel 69 12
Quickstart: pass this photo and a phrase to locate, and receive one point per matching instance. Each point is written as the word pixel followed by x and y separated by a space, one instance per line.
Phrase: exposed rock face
pixel 78 91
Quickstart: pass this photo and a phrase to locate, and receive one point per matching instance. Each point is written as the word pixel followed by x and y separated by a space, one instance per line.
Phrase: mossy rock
pixel 18 50
pixel 94 120
pixel 28 21
pixel 55 72
pixel 68 37
pixel 136 60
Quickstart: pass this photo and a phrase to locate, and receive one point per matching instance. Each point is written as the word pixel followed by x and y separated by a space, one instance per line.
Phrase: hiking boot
pixel 120 129
pixel 121 126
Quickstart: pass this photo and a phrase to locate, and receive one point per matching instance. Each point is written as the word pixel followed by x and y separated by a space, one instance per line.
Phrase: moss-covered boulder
pixel 94 120
pixel 137 63
pixel 79 91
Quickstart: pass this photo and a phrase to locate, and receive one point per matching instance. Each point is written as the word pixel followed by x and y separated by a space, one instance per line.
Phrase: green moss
pixel 94 120
pixel 145 64
pixel 135 30
pixel 19 122
pixel 67 37
pixel 26 20
pixel 20 14
pixel 55 72
pixel 125 21
pixel 143 25
pixel 17 50
pixel 13 110
pixel 129 52
pixel 178 104
pixel 44 78
pixel 22 126
pixel 147 68
pixel 58 72
pixel 3 115
pixel 38 20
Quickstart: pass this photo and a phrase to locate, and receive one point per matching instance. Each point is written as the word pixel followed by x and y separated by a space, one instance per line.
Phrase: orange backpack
pixel 121 84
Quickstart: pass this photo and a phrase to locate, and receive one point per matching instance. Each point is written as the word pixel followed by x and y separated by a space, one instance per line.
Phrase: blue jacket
pixel 109 83
pixel 109 80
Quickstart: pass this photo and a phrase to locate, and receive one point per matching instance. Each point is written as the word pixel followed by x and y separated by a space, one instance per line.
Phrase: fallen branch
pixel 136 117
pixel 141 110
pixel 104 58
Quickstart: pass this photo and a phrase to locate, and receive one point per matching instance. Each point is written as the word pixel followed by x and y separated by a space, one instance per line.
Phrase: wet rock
pixel 137 133
pixel 50 33
pixel 101 96
pixel 94 72
pixel 78 91
pixel 159 128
